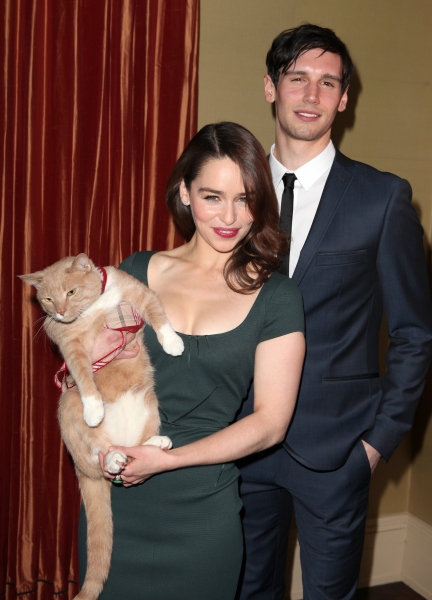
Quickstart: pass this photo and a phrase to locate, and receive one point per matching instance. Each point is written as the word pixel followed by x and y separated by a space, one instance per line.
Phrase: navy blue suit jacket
pixel 363 257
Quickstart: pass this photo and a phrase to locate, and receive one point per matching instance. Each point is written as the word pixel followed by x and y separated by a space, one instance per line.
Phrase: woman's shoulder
pixel 283 307
pixel 137 263
pixel 281 286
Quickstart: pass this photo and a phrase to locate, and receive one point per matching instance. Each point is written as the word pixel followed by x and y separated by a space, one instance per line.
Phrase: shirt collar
pixel 309 173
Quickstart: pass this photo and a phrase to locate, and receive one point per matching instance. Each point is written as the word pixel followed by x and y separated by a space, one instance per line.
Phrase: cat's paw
pixel 174 345
pixel 171 342
pixel 115 461
pixel 93 410
pixel 161 441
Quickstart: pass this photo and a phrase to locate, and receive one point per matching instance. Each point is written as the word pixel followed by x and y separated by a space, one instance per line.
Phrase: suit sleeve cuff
pixel 384 439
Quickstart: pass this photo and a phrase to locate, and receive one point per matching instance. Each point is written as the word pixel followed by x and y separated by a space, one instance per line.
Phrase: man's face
pixel 308 96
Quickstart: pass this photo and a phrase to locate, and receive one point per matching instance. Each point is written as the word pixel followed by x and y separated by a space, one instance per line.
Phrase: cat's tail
pixel 96 495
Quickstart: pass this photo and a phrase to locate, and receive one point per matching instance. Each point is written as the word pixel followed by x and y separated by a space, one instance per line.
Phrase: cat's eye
pixel 47 300
pixel 71 292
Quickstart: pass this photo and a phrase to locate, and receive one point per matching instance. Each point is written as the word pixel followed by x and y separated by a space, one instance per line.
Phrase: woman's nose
pixel 229 213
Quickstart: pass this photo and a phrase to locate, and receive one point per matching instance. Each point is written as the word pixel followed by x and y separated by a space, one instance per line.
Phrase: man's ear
pixel 343 101
pixel 269 89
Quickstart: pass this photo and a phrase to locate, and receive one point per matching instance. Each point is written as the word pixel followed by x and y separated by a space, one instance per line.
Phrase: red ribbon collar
pixel 103 276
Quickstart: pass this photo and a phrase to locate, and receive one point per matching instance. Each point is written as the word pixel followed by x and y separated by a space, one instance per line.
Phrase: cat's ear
pixel 33 278
pixel 82 263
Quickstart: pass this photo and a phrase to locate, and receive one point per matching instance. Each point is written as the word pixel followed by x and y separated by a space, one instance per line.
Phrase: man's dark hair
pixel 289 45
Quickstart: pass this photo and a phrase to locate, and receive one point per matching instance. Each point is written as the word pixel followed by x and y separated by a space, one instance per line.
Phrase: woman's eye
pixel 211 198
pixel 71 292
pixel 243 199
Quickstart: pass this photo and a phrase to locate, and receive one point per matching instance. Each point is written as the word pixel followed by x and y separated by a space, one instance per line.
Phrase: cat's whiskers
pixel 42 318
pixel 48 324
pixel 39 332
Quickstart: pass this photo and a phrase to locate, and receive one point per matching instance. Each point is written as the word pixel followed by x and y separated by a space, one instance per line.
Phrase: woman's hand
pixel 145 461
pixel 108 340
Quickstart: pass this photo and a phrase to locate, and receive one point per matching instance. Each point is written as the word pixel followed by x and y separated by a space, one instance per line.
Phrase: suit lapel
pixel 335 188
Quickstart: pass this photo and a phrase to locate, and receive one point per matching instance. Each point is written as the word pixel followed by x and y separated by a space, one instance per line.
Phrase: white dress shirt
pixel 308 187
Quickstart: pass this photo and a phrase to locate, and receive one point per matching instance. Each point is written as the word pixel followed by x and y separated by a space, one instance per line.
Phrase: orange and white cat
pixel 115 405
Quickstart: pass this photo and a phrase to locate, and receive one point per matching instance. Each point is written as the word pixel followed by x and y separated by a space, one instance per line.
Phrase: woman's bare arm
pixel 278 367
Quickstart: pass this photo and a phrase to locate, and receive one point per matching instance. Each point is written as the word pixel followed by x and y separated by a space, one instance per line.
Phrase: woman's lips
pixel 225 232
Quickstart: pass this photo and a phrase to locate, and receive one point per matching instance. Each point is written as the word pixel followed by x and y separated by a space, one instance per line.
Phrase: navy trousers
pixel 330 511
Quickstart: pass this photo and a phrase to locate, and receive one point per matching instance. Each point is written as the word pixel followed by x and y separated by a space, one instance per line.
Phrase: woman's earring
pixel 185 202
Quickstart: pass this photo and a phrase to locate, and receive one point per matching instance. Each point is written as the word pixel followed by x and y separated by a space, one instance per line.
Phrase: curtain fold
pixel 98 99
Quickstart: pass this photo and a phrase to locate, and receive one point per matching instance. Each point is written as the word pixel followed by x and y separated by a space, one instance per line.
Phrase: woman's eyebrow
pixel 206 189
pixel 218 192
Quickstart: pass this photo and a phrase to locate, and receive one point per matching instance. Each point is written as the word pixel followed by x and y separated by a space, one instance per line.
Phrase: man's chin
pixel 307 134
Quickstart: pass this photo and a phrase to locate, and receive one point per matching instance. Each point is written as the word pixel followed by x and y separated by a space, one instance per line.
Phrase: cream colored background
pixel 388 124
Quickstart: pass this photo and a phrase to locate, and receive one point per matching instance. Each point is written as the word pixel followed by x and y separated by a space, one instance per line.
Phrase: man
pixel 356 252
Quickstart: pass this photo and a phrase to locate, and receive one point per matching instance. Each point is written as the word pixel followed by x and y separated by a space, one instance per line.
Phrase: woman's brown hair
pixel 259 253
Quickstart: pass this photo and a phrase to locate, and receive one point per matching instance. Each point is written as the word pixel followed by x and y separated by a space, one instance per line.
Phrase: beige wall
pixel 388 124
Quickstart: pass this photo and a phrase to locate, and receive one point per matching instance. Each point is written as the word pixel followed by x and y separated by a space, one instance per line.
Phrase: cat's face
pixel 66 288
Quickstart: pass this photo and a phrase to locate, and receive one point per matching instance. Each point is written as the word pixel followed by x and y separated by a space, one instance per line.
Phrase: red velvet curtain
pixel 98 98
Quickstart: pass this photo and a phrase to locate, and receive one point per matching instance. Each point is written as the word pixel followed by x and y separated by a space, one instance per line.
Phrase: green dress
pixel 178 535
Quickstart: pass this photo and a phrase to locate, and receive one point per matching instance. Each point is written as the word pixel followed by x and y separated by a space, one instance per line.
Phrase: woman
pixel 179 534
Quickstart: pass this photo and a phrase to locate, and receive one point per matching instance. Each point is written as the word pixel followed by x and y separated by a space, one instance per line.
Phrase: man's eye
pixel 71 292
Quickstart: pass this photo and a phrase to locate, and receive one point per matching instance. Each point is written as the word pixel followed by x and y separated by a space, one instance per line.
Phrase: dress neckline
pixel 207 335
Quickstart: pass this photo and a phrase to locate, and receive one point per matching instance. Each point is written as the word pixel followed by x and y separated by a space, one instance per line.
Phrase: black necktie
pixel 287 215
